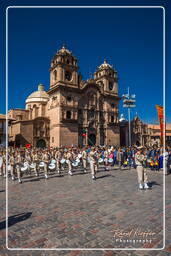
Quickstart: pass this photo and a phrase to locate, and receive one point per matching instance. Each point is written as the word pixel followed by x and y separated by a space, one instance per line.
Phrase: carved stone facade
pixel 72 111
pixel 142 134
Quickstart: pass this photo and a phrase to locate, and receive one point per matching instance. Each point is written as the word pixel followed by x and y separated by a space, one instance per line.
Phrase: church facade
pixel 73 111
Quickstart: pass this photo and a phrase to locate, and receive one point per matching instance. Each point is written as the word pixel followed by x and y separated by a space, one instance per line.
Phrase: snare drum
pixel 24 168
pixel 100 160
pixel 51 166
pixel 62 161
pixel 110 160
pixel 77 160
pixel 32 166
pixel 42 164
pixel 75 164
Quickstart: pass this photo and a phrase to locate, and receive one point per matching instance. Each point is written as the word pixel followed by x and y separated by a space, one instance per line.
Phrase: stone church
pixel 72 111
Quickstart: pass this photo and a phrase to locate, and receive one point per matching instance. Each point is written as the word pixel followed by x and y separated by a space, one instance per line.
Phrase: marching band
pixel 35 160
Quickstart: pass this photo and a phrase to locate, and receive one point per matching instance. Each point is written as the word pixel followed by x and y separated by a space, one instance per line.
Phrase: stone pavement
pixel 76 212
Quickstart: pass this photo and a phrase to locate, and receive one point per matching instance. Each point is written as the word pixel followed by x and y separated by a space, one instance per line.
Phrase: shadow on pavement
pixel 104 176
pixel 12 220
pixel 153 183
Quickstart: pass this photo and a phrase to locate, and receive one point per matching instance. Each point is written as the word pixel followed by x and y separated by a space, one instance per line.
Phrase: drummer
pixel 84 159
pixel 46 160
pixel 93 163
pixel 58 157
pixel 1 163
pixel 18 162
pixel 35 162
pixel 69 158
pixel 106 154
pixel 12 165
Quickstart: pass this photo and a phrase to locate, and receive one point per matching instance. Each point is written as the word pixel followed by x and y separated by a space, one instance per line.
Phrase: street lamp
pixel 129 102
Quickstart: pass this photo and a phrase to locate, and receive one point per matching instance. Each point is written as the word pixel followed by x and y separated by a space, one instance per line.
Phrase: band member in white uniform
pixel 84 159
pixel 69 161
pixel 18 162
pixel 142 174
pixel 93 163
pixel 58 157
pixel 12 164
pixel 46 160
pixel 106 153
pixel 1 163
pixel 35 161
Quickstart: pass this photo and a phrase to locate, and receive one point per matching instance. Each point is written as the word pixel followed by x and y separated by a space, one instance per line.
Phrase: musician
pixel 46 160
pixel 84 159
pixel 1 163
pixel 58 157
pixel 18 162
pixel 69 158
pixel 4 164
pixel 141 171
pixel 106 154
pixel 35 161
pixel 93 162
pixel 12 164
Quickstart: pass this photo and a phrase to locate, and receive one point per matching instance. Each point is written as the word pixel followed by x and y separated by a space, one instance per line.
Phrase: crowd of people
pixel 22 161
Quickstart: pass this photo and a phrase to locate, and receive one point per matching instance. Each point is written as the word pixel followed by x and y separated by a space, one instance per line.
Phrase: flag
pixel 161 121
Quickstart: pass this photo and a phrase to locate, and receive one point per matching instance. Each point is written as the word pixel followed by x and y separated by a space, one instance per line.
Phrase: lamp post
pixel 129 102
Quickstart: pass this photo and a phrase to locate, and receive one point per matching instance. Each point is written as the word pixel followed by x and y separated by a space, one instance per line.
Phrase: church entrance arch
pixel 91 139
pixel 41 143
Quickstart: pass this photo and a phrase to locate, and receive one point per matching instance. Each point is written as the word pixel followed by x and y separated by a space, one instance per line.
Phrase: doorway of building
pixel 41 143
pixel 91 139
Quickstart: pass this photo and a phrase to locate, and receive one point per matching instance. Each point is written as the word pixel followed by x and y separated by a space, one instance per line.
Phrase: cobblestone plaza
pixel 76 212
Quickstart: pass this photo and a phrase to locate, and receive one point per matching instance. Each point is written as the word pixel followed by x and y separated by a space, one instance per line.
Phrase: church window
pixel 55 75
pixel 68 75
pixel 52 139
pixel 110 86
pixel 67 61
pixel 68 114
pixel 112 119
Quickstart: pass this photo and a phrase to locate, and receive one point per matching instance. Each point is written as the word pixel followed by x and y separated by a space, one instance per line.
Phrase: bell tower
pixel 107 76
pixel 64 69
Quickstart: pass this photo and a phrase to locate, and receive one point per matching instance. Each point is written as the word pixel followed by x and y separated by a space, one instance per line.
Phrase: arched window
pixel 112 119
pixel 68 114
pixel 55 75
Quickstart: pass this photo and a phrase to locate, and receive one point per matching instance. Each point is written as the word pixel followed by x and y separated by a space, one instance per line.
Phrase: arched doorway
pixel 91 139
pixel 137 143
pixel 41 143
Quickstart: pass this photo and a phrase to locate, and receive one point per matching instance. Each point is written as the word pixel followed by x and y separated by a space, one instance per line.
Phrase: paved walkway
pixel 76 212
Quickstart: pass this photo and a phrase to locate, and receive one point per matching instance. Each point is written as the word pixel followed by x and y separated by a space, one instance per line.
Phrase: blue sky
pixel 130 40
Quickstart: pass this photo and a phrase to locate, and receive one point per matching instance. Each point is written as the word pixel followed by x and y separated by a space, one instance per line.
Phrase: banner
pixel 161 121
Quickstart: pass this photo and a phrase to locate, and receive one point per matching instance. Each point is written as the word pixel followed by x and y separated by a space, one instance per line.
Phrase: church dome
pixel 105 65
pixel 38 96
